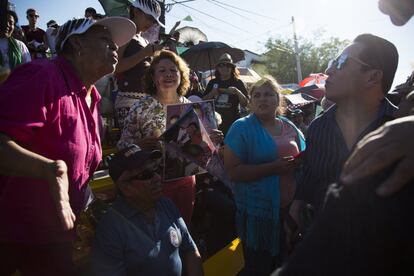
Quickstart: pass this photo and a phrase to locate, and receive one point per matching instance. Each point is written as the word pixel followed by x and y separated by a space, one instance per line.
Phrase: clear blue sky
pixel 247 24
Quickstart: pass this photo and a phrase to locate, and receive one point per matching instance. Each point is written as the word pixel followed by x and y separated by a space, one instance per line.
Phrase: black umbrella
pixel 205 55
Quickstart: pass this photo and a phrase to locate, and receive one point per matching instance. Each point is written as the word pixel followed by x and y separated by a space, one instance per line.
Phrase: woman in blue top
pixel 259 158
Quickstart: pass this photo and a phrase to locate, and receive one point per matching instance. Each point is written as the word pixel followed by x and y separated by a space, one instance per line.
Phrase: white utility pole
pixel 298 67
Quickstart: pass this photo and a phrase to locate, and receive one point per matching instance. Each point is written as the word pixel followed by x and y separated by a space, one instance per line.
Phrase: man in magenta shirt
pixel 50 145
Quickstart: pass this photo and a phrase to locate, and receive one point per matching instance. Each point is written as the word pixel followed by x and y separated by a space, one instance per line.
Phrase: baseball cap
pixel 150 7
pixel 121 29
pixel 129 158
pixel 226 59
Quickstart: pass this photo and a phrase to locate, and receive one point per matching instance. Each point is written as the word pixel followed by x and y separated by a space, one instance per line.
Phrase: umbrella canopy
pixel 204 56
pixel 299 100
pixel 191 35
pixel 312 79
pixel 248 75
pixel 286 91
pixel 316 91
pixel 116 7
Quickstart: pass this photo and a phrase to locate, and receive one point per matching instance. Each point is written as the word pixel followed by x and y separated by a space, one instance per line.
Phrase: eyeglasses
pixel 148 171
pixel 33 15
pixel 222 65
pixel 146 174
pixel 340 62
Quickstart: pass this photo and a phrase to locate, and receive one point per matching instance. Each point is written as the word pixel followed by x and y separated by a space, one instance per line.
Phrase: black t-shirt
pixel 131 80
pixel 227 104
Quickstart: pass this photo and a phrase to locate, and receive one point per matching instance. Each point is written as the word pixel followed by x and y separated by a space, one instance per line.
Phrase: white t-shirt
pixel 51 35
pixel 4 47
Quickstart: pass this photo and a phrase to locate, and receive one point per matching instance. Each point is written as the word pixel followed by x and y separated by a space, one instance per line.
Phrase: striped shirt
pixel 326 153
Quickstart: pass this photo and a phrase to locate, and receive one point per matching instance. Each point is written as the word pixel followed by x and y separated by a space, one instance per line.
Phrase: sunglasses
pixel 148 171
pixel 34 15
pixel 222 65
pixel 341 61
pixel 146 174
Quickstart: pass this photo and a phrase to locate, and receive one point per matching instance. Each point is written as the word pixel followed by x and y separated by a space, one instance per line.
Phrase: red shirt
pixel 43 108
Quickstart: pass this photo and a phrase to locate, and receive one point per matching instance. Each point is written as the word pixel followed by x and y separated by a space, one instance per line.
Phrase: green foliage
pixel 314 56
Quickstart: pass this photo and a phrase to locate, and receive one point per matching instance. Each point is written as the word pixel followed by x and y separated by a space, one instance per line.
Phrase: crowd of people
pixel 323 196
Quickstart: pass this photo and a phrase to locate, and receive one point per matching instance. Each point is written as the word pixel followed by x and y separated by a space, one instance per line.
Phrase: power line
pixel 220 31
pixel 240 9
pixel 206 14
pixel 258 35
pixel 168 7
pixel 227 9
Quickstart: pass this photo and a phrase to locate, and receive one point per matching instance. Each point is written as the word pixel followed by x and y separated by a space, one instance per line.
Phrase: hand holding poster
pixel 188 147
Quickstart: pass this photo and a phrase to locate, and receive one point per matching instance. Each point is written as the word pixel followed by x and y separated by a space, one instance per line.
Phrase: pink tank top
pixel 287 146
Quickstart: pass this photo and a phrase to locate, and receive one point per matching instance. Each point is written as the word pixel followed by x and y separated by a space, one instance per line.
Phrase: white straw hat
pixel 121 29
pixel 150 7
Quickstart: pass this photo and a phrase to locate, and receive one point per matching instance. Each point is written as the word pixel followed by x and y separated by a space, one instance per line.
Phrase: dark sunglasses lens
pixel 145 175
pixel 222 65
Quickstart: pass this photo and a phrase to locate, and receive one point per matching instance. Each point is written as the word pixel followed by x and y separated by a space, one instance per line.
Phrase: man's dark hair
pixel 380 54
pixel 91 11
pixel 30 10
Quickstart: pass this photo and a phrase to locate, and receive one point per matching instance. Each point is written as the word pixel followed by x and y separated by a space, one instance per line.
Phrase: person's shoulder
pixel 40 75
pixel 327 116
pixel 116 214
pixel 244 120
pixel 285 119
pixel 21 44
pixel 239 126
pixel 108 222
pixel 39 68
pixel 240 81
pixel 167 206
pixel 40 30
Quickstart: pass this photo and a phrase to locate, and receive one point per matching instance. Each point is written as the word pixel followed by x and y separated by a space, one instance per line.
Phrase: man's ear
pixel 375 77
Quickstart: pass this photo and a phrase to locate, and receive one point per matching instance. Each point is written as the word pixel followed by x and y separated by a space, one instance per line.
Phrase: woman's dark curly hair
pixel 149 85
